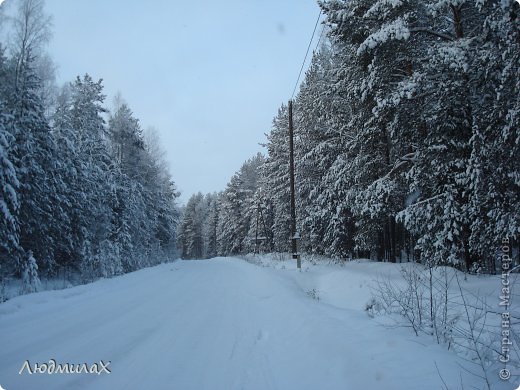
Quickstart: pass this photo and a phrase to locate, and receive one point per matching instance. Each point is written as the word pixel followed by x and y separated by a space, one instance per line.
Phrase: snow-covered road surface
pixel 218 324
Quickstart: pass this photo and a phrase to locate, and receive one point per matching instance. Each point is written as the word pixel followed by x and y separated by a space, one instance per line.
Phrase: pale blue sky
pixel 209 75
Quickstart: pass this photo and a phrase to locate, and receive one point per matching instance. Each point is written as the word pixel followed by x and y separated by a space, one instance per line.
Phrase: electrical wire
pixel 306 54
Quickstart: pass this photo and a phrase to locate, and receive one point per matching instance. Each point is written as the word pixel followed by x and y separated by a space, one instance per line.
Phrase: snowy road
pixel 217 324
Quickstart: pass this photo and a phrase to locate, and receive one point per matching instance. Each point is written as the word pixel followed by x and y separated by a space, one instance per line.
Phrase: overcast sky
pixel 208 75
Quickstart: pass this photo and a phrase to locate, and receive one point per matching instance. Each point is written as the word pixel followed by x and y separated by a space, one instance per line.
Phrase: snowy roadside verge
pixel 463 313
pixel 11 287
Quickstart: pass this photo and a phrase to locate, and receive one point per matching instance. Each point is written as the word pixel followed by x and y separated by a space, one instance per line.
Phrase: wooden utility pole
pixel 294 235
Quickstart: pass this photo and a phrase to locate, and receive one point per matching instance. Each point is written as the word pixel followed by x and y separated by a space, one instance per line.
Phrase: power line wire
pixel 306 54
pixel 319 40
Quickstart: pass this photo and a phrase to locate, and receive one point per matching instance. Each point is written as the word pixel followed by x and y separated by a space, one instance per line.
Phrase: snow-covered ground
pixel 225 324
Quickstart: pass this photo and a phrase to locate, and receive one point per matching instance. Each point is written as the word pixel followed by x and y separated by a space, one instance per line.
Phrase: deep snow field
pixel 229 324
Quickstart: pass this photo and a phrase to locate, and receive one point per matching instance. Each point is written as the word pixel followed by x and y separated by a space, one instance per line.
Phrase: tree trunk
pixel 457 21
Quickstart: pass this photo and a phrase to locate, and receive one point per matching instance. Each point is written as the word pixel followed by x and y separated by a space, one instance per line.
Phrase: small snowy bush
pixel 314 294
pixel 30 279
pixel 373 307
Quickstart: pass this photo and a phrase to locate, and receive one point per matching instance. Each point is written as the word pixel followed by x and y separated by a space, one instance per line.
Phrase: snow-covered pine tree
pixel 373 39
pixel 275 180
pixel 33 151
pixel 30 278
pixel 493 171
pixel 385 46
pixel 191 240
pixel 235 213
pixel 345 116
pixel 9 226
pixel 439 215
pixel 229 234
pixel 210 224
pixel 130 228
pixel 160 196
pixel 94 218
pixel 126 139
pixel 69 168
pixel 34 157
pixel 9 184
pixel 315 149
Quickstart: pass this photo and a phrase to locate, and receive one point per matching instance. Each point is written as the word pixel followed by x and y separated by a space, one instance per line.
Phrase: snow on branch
pixel 407 158
pixel 382 5
pixel 427 30
pixel 395 30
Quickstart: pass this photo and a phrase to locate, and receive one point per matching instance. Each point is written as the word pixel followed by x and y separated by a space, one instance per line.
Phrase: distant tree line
pixel 78 192
pixel 407 142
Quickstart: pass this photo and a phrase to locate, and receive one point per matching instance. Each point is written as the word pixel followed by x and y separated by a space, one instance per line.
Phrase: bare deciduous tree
pixel 31 30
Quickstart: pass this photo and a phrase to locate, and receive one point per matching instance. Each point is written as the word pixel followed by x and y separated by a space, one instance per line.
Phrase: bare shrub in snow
pixel 405 299
pixel 433 301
